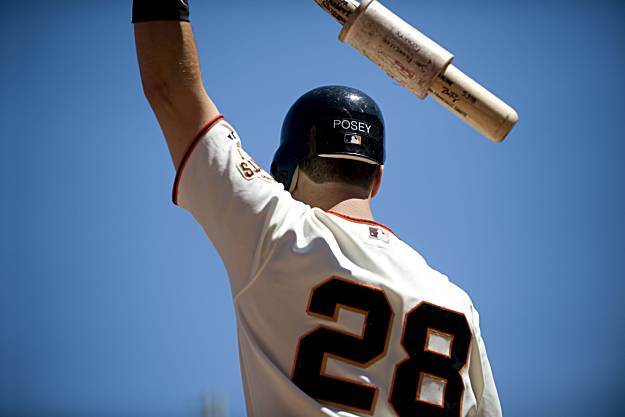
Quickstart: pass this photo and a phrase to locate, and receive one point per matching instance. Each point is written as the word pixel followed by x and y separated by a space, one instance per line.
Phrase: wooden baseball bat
pixel 461 95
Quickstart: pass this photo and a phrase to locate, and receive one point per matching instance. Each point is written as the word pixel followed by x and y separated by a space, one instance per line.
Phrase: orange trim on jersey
pixel 362 221
pixel 188 153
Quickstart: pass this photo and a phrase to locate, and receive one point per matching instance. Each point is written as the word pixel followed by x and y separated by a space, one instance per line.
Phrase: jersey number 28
pixel 316 347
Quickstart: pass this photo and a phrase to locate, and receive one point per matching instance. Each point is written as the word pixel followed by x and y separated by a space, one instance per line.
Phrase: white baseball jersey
pixel 336 316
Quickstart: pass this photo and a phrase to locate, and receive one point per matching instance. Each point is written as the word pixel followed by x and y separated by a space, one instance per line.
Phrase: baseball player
pixel 336 316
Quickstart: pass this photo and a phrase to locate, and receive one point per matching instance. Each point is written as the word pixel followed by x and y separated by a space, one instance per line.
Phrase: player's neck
pixel 354 207
pixel 345 200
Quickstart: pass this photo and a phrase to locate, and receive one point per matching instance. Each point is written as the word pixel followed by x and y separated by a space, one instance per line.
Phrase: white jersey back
pixel 336 316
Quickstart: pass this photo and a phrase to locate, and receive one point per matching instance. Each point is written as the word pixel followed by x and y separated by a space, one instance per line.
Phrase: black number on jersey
pixel 420 324
pixel 323 342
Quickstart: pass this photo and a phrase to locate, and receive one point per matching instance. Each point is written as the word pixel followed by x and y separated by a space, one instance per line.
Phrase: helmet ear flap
pixel 294 179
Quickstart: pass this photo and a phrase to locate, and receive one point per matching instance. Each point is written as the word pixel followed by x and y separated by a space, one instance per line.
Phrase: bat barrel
pixel 400 50
pixel 474 104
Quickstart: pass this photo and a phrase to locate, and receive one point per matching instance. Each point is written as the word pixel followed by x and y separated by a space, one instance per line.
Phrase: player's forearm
pixel 172 81
pixel 167 57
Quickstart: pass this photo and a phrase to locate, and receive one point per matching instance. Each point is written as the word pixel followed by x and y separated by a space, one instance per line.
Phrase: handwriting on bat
pixel 451 94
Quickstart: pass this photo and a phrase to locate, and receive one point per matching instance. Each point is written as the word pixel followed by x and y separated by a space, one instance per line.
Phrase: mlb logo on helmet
pixel 353 139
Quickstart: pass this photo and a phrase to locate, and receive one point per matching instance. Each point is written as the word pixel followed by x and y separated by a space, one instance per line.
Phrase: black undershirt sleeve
pixel 153 10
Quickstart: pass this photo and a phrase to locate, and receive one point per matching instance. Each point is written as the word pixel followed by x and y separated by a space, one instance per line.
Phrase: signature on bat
pixel 452 95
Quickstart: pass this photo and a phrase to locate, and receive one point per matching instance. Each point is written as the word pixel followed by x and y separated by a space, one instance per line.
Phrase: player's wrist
pixel 154 10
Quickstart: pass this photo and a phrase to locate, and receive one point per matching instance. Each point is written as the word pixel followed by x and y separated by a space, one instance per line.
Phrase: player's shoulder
pixel 446 289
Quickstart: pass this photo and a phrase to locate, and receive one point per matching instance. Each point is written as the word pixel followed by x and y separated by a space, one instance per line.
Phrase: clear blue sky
pixel 112 301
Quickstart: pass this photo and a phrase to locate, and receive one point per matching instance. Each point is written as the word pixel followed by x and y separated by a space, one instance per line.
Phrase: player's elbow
pixel 155 90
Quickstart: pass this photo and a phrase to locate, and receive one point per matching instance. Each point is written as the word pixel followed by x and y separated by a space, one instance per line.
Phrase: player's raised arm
pixel 170 71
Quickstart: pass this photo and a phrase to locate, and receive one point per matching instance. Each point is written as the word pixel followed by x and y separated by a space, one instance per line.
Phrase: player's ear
pixel 377 181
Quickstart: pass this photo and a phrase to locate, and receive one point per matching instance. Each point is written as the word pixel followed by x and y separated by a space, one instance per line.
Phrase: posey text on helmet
pixel 352 125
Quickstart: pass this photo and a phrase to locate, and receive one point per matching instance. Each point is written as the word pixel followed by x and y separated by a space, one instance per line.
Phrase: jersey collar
pixel 361 221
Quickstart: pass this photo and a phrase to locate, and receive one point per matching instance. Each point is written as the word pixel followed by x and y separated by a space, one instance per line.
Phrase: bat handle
pixel 473 103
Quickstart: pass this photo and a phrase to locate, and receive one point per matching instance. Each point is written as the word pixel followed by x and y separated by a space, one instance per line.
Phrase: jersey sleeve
pixel 481 375
pixel 241 208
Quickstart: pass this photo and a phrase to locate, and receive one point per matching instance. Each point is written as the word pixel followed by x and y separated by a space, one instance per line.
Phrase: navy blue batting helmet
pixel 332 122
